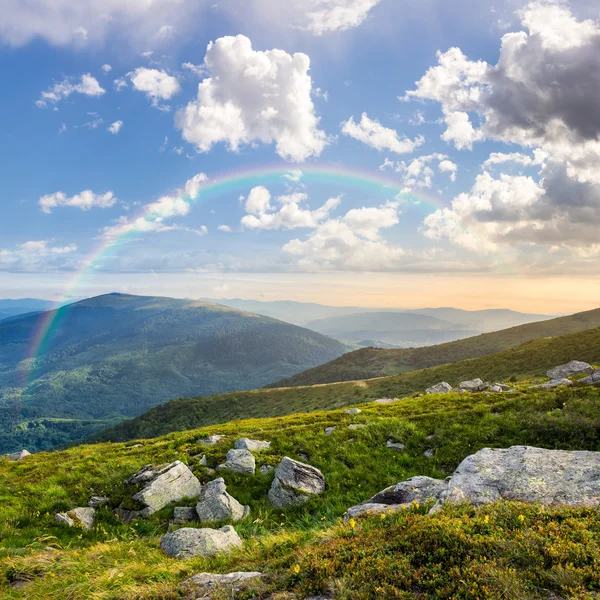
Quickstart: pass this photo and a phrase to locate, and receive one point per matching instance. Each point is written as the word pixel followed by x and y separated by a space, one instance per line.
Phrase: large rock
pixel 164 484
pixel 187 541
pixel 82 516
pixel 439 388
pixel 575 367
pixel 591 379
pixel 295 483
pixel 203 584
pixel 525 474
pixel 252 445
pixel 215 504
pixel 473 385
pixel 554 383
pixel 240 461
pixel 18 455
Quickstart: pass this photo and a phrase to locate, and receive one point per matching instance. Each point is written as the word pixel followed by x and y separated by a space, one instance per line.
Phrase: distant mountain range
pixel 22 306
pixel 116 356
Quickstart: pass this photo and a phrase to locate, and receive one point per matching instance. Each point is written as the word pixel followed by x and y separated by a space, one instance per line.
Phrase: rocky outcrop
pixel 554 383
pixel 251 445
pixel 240 461
pixel 188 542
pixel 164 484
pixel 203 584
pixel 439 388
pixel 18 455
pixel 295 483
pixel 82 516
pixel 473 385
pixel 215 504
pixel 525 474
pixel 575 367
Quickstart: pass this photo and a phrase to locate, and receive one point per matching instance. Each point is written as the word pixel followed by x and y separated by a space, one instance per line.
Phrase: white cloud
pixel 198 70
pixel 120 84
pixel 324 16
pixel 253 96
pixel 106 68
pixel 164 33
pixel 288 215
pixel 84 200
pixel 157 215
pixel 224 228
pixel 115 127
pixel 157 85
pixel 34 256
pixel 374 134
pixel 500 158
pixel 420 171
pixel 88 86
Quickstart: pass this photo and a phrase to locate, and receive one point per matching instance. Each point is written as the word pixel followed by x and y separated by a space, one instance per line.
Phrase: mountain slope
pixel 531 359
pixel 371 362
pixel 116 356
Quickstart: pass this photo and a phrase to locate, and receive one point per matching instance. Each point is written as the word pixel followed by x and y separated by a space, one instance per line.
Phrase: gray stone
pixel 554 383
pixel 184 514
pixel 203 461
pixel 251 445
pixel 575 367
pixel 82 516
pixel 329 430
pixel 203 584
pixel 473 385
pixel 240 461
pixel 369 509
pixel 164 484
pixel 429 453
pixel 265 469
pixel 18 455
pixel 526 474
pixel 439 388
pixel 188 542
pixel 295 483
pixel 356 426
pixel 215 504
pixel 353 411
pixel 127 516
pixel 591 379
pixel 98 501
pixel 386 400
pixel 394 445
pixel 211 440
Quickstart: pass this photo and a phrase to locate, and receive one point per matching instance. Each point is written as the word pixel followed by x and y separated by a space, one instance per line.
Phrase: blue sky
pixel 109 144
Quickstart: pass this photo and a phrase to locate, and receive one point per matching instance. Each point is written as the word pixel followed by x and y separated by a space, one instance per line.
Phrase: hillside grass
pixel 374 362
pixel 532 359
pixel 502 551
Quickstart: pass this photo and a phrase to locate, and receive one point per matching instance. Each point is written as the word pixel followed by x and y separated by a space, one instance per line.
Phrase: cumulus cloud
pixel 157 215
pixel 289 213
pixel 84 200
pixel 224 229
pixel 501 158
pixel 115 127
pixel 88 86
pixel 106 68
pixel 374 134
pixel 35 255
pixel 253 96
pixel 350 243
pixel 421 171
pixel 157 85
pixel 323 16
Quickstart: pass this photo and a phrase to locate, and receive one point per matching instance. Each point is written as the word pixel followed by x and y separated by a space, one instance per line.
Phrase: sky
pixel 353 152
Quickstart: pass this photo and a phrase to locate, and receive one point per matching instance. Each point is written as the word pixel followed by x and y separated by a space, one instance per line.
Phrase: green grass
pixel 530 359
pixel 455 554
pixel 372 362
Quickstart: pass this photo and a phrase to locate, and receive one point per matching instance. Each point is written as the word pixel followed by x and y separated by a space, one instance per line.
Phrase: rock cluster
pixel 188 542
pixel 295 483
pixel 473 385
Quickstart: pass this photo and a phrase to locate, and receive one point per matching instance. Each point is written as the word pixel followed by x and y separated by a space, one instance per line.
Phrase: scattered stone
pixel 18 455
pixel 394 445
pixel 251 445
pixel 205 583
pixel 356 425
pixel 295 483
pixel 215 504
pixel 429 453
pixel 98 501
pixel 188 542
pixel 164 484
pixel 575 367
pixel 240 461
pixel 439 388
pixel 353 411
pixel 526 474
pixel 473 385
pixel 329 430
pixel 184 514
pixel 553 384
pixel 211 440
pixel 265 469
pixel 203 461
pixel 591 379
pixel 369 509
pixel 386 400
pixel 82 516
pixel 127 516
pixel 211 471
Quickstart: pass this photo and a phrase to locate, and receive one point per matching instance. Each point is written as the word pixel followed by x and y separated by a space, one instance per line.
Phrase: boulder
pixel 394 445
pixel 353 411
pixel 329 430
pixel 575 367
pixel 184 514
pixel 295 483
pixel 18 455
pixel 163 485
pixel 553 384
pixel 439 388
pixel 211 440
pixel 591 379
pixel 251 445
pixel 215 504
pixel 473 385
pixel 188 542
pixel 83 517
pixel 526 474
pixel 240 461
pixel 500 387
pixel 98 501
pixel 203 584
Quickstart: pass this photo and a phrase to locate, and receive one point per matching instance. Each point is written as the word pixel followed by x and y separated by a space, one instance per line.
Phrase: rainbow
pixel 224 183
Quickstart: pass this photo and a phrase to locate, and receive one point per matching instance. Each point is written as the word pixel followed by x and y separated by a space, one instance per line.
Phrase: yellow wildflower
pixel 382 516
pixel 521 518
pixel 352 523
pixel 296 569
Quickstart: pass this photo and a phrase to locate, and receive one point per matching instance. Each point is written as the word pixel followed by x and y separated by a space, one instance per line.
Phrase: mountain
pixel 116 356
pixel 400 329
pixel 528 360
pixel 371 362
pixel 22 306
